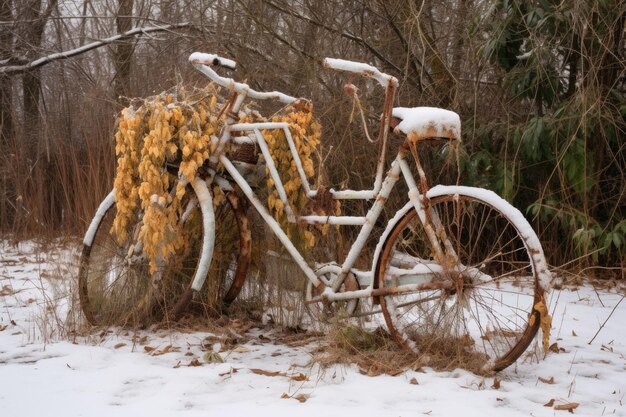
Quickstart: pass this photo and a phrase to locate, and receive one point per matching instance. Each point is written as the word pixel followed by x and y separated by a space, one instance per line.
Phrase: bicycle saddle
pixel 420 123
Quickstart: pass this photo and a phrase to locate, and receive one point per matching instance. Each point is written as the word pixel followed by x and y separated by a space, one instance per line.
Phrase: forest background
pixel 540 87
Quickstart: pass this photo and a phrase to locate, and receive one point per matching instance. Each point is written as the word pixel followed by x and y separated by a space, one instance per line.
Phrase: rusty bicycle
pixel 454 262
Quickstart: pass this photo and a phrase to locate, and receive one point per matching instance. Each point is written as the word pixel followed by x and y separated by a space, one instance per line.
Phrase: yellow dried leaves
pixel 306 133
pixel 168 128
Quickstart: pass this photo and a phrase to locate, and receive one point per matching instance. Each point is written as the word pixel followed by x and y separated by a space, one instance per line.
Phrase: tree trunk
pixel 6 94
pixel 123 52
pixel 7 212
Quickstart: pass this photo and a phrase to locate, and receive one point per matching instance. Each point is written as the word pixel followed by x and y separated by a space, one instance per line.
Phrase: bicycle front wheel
pixel 476 315
pixel 115 284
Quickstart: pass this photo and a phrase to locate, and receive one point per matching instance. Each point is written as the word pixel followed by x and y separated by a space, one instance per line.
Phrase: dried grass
pixel 375 353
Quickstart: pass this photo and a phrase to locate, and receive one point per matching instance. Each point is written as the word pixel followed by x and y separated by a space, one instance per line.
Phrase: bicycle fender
pixel 205 201
pixel 514 215
pixel 108 201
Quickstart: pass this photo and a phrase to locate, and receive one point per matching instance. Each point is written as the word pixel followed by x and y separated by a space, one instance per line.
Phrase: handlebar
pixel 203 63
pixel 360 68
pixel 211 59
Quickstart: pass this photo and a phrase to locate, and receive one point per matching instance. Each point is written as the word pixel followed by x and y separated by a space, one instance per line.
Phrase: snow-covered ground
pixel 45 369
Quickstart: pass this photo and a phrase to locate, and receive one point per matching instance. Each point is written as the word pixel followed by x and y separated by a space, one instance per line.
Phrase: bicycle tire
pixel 131 299
pixel 481 325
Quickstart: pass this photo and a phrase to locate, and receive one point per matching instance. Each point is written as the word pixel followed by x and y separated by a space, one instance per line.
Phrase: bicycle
pixel 453 260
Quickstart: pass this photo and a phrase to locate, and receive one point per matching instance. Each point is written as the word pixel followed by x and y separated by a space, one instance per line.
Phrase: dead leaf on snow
pixel 299 377
pixel 547 380
pixel 148 348
pixel 6 290
pixel 267 373
pixel 554 347
pixel 301 397
pixel 119 345
pixel 574 333
pixel 3 327
pixel 163 351
pixel 413 381
pixel 567 407
pixel 195 362
pixel 549 403
pixel 177 365
pixel 285 395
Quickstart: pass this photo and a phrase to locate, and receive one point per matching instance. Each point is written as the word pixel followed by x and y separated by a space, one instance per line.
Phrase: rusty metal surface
pixel 245 247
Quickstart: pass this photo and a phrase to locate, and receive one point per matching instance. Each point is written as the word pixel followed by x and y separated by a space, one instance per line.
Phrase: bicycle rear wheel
pixel 484 322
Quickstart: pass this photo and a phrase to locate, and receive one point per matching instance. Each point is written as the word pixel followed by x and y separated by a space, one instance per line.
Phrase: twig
pixel 607 319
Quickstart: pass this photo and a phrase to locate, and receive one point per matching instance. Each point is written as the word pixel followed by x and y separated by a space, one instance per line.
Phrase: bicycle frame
pixel 380 192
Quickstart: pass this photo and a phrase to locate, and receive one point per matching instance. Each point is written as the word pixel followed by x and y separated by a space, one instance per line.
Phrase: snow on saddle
pixel 426 123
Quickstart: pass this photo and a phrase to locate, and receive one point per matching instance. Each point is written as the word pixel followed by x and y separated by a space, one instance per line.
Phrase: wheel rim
pixel 483 321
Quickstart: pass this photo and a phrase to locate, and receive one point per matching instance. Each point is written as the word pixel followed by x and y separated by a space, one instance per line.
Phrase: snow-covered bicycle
pixel 455 266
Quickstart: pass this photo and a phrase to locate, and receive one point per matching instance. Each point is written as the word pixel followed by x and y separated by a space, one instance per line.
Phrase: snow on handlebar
pixel 203 63
pixel 211 59
pixel 360 68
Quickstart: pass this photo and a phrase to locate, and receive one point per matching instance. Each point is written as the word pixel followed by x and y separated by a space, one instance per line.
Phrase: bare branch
pixel 27 66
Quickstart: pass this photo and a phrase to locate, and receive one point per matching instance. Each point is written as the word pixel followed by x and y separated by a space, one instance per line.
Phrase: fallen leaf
pixel 413 381
pixel 299 377
pixel 567 407
pixel 547 380
pixel 267 373
pixel 119 345
pixel 177 365
pixel 148 348
pixel 195 362
pixel 574 333
pixel 301 397
pixel 285 395
pixel 163 351
pixel 6 290
pixel 3 327
pixel 554 347
pixel 549 403
pixel 496 383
